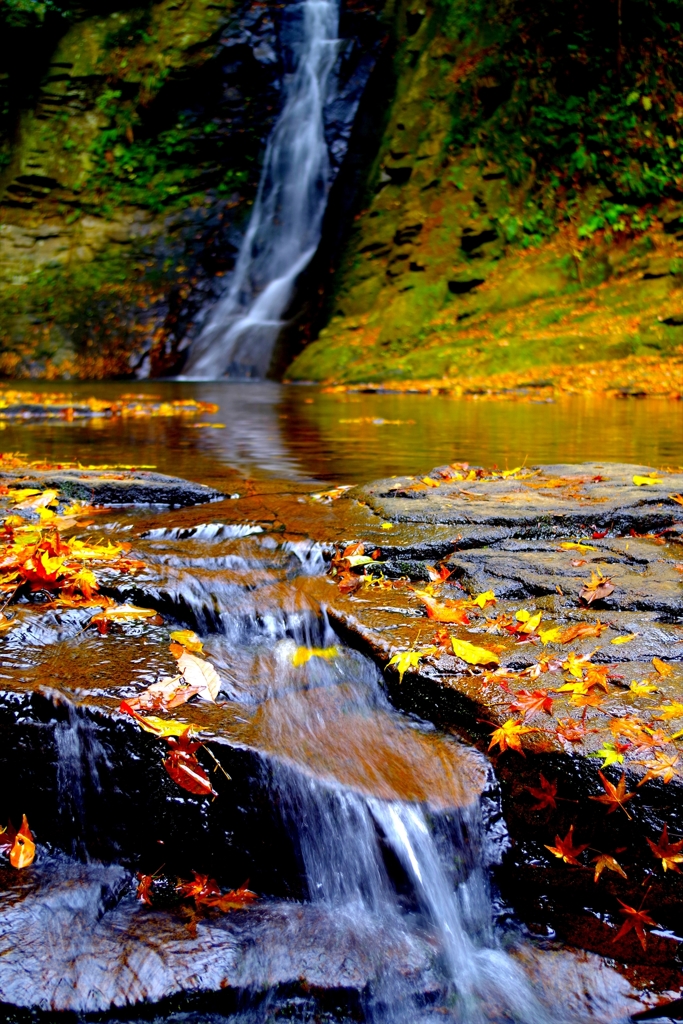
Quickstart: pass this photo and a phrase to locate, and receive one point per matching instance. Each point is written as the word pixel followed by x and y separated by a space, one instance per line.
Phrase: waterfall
pixel 284 229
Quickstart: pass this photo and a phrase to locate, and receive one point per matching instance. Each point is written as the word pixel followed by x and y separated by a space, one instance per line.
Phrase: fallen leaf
pixel 597 588
pixel 121 612
pixel 626 639
pixel 614 796
pixel 22 847
pixel 167 694
pixel 610 755
pixel 550 636
pixel 662 766
pixel 669 711
pixel 484 599
pixel 472 654
pixel 565 849
pixel 643 689
pixel 304 654
pixel 605 862
pixel 669 853
pixel 532 703
pixel 581 629
pixel 507 736
pixel 406 660
pixel 647 481
pixel 677 498
pixel 662 667
pixel 157 726
pixel 200 674
pixel 546 794
pixel 445 611
pixel 577 546
pixel 188 639
pixel 637 920
pixel 184 768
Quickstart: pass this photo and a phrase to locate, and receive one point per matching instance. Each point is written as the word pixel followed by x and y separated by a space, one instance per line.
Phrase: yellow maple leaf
pixel 303 654
pixel 662 667
pixel 642 689
pixel 626 639
pixel 487 597
pixel 188 639
pixel 647 481
pixel 472 654
pixel 549 636
pixel 569 545
pixel 409 659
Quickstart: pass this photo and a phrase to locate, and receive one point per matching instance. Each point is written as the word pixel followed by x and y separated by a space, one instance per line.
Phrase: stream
pixel 368 834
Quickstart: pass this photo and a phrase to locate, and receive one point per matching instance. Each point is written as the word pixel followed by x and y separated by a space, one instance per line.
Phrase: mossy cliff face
pixel 130 175
pixel 524 208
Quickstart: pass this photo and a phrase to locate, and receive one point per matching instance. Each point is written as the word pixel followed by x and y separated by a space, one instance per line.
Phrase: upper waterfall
pixel 240 332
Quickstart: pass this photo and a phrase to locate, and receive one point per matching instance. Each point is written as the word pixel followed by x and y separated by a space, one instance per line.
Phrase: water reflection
pixel 301 433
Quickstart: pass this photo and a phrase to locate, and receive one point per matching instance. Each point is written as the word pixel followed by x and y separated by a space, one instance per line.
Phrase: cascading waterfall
pixel 284 230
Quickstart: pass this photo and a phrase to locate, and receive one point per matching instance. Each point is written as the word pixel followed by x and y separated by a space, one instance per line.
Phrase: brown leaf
pixel 546 795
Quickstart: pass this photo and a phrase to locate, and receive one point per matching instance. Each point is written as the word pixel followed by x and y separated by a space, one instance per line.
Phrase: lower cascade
pixel 241 330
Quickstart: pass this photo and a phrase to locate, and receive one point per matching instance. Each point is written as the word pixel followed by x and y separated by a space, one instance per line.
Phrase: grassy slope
pixel 486 260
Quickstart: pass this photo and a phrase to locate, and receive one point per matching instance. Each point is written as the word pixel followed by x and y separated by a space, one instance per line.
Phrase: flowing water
pixel 240 332
pixel 392 825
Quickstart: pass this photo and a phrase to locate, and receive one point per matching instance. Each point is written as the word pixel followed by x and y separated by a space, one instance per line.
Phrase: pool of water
pixel 302 433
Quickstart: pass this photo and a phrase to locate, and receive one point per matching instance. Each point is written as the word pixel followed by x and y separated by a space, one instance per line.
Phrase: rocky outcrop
pixel 129 180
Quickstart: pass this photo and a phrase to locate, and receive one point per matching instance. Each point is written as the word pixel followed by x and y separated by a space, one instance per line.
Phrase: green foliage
pixel 565 100
pixel 158 171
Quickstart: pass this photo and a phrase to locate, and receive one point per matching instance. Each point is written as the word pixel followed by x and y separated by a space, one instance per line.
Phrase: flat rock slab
pixel 537 539
pixel 114 487
pixel 74 938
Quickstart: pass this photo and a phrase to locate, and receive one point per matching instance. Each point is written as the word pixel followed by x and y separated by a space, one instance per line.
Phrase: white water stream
pixel 240 333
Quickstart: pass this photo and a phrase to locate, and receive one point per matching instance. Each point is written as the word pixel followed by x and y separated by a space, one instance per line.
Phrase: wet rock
pixel 122 487
pixel 74 938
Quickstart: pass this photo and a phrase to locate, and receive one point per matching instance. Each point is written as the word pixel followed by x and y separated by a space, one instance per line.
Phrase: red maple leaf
pixel 532 702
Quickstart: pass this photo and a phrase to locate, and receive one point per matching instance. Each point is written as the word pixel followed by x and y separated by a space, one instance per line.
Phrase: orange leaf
pixel 637 920
pixel 23 849
pixel 508 736
pixel 669 853
pixel 614 796
pixel 565 849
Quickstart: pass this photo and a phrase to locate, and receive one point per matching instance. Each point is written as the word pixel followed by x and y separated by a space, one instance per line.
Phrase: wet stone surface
pixel 331 789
